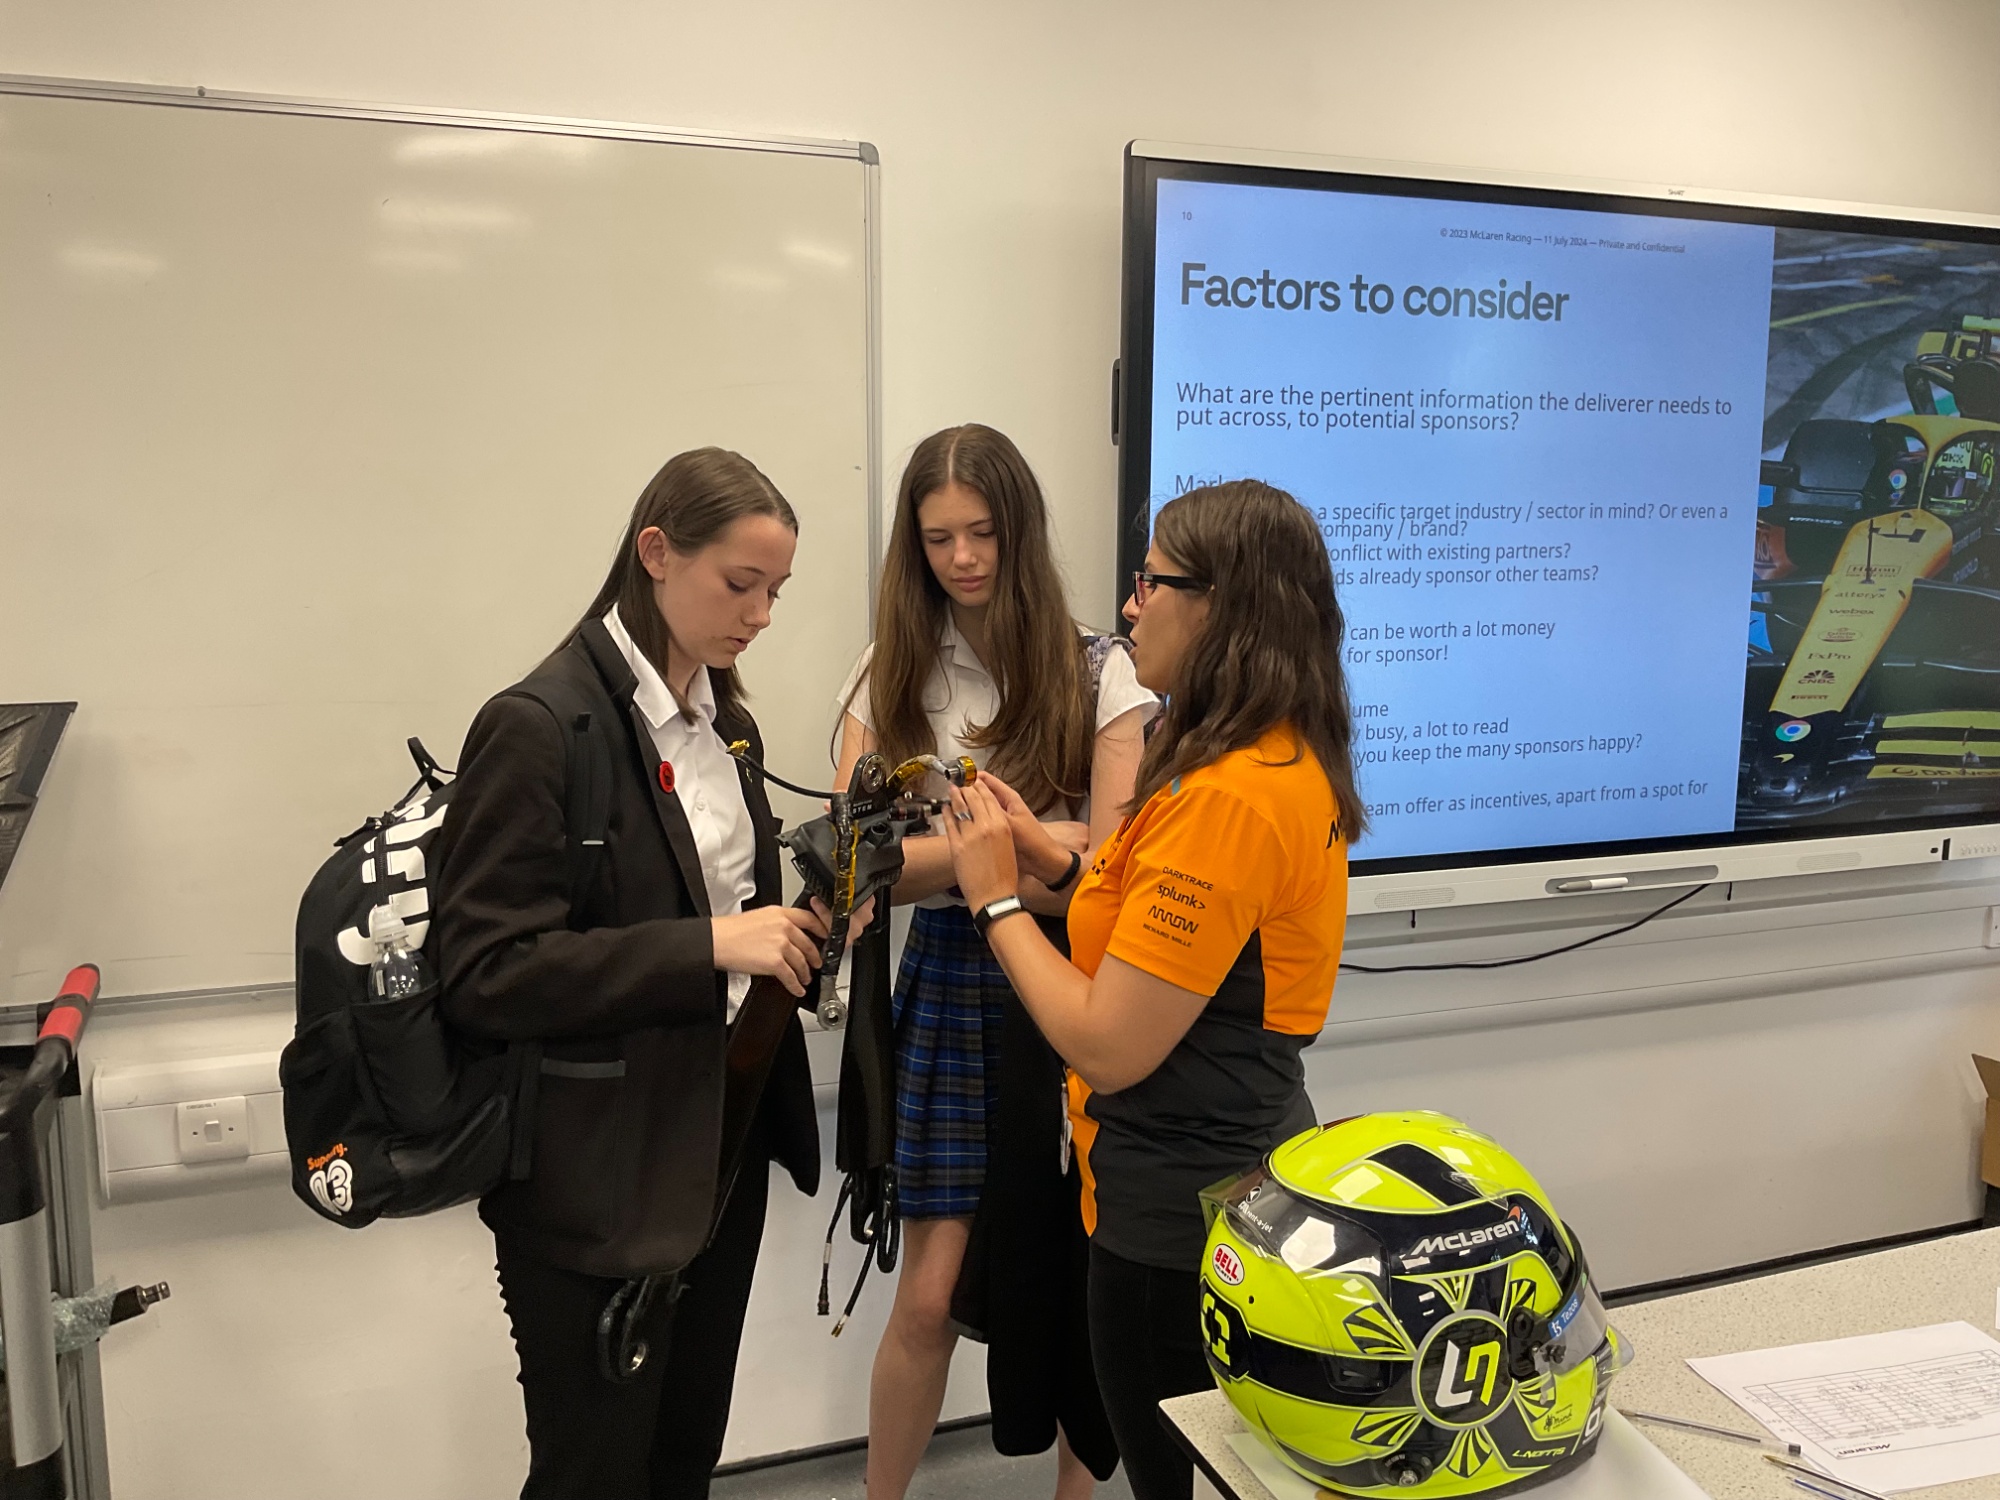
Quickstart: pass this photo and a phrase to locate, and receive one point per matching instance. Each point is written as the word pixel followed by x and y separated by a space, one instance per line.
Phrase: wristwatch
pixel 1075 866
pixel 993 911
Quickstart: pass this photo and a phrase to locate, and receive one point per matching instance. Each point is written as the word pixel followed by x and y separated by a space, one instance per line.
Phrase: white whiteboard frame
pixel 1447 885
pixel 196 96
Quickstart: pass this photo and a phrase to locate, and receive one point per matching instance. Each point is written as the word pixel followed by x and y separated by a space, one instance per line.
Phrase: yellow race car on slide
pixel 1879 595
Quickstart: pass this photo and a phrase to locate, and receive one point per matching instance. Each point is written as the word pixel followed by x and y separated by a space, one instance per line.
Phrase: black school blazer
pixel 626 1001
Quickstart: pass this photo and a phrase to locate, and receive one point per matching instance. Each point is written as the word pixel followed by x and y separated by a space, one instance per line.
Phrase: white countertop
pixel 1938 1281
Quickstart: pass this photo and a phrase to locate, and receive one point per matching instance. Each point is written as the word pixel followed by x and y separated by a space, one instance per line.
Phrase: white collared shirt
pixel 705 780
pixel 961 694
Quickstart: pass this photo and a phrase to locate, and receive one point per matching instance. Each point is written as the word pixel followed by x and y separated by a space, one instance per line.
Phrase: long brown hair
pixel 694 498
pixel 1269 653
pixel 1041 738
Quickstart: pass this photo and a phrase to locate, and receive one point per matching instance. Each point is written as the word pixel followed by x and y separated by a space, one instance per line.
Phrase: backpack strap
pixel 1097 651
pixel 586 824
pixel 586 781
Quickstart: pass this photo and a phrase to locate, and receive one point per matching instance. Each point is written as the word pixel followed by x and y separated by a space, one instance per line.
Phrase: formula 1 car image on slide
pixel 1876 678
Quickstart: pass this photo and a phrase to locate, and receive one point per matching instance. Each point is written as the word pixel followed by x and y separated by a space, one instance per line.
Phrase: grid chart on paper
pixel 1883 1403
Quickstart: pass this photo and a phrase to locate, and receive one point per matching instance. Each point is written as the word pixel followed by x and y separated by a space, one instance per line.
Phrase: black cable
pixel 1529 958
pixel 741 750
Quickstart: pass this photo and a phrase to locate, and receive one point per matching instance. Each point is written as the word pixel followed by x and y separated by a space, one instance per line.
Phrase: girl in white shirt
pixel 975 654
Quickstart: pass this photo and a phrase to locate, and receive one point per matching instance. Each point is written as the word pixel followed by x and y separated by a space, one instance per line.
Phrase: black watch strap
pixel 1069 875
pixel 993 911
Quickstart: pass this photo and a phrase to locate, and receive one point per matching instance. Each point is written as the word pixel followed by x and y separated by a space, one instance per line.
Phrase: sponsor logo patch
pixel 1460 1379
pixel 1515 1223
pixel 1228 1266
pixel 332 1180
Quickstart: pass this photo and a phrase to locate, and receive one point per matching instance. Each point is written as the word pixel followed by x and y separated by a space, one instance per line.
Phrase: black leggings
pixel 1145 1337
pixel 656 1437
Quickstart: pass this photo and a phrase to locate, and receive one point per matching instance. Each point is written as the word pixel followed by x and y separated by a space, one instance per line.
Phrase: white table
pixel 1625 1466
pixel 1934 1282
pixel 1938 1281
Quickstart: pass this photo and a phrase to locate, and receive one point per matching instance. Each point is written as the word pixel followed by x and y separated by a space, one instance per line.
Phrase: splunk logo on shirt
pixel 1203 287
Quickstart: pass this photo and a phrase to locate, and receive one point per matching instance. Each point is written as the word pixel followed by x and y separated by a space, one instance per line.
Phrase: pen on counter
pixel 1842 1491
pixel 1754 1439
pixel 1818 1490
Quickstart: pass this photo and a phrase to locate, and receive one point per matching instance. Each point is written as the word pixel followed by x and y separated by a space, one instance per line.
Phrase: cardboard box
pixel 1989 1151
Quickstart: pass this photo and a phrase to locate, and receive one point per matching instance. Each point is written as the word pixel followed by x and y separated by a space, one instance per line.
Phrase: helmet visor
pixel 1577 1330
pixel 1305 1235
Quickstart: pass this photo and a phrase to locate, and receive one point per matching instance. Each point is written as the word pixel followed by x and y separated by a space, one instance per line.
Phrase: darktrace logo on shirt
pixel 1172 916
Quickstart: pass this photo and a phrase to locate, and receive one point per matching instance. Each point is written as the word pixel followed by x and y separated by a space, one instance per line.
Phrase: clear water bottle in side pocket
pixel 400 970
pixel 402 1037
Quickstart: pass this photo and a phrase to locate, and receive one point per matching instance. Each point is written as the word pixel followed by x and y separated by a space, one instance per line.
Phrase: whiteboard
pixel 319 425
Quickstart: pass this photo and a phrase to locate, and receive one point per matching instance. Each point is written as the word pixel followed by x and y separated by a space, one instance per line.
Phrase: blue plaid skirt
pixel 949 1009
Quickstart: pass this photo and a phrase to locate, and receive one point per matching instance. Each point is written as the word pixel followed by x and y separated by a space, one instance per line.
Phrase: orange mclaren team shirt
pixel 1231 882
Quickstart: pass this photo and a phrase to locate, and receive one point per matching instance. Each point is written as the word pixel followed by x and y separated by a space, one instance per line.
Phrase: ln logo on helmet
pixel 332 1180
pixel 1228 1268
pixel 1461 1378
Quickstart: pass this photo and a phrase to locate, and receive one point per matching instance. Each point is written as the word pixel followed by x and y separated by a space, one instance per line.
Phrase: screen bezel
pixel 1147 164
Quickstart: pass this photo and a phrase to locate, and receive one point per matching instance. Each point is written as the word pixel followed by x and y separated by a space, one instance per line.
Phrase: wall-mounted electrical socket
pixel 213 1129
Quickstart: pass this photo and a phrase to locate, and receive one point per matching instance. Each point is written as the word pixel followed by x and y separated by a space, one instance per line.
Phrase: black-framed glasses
pixel 1143 584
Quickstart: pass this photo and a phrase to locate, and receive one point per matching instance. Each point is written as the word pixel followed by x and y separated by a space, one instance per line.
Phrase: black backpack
pixel 389 1112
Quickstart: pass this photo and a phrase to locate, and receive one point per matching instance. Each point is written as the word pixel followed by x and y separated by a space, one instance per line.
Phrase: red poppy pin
pixel 666 776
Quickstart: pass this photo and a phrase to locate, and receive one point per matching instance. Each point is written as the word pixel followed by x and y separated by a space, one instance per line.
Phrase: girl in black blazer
pixel 629 984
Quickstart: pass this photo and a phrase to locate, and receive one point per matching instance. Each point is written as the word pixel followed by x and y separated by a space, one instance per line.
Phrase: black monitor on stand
pixel 29 734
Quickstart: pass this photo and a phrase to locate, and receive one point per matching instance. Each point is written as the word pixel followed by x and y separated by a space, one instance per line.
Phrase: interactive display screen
pixel 1654 524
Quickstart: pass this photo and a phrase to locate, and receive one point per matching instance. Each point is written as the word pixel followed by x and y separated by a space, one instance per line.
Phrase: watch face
pixel 992 910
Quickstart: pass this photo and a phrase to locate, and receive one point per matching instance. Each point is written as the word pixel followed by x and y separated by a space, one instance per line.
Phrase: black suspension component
pixel 852 853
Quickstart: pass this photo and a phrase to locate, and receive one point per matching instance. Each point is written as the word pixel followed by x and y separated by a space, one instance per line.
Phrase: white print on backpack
pixel 412 901
pixel 333 1185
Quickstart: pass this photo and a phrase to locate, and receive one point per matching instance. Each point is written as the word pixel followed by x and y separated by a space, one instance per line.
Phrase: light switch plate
pixel 213 1129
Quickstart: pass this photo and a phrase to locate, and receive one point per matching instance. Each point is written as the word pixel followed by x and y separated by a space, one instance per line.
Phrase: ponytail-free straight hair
pixel 1269 652
pixel 696 496
pixel 1045 729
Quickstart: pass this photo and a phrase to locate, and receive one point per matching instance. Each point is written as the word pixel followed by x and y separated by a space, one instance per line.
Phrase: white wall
pixel 1807 1114
pixel 1000 128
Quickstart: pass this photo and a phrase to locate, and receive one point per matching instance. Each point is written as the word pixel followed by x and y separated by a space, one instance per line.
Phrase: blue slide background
pixel 1595 694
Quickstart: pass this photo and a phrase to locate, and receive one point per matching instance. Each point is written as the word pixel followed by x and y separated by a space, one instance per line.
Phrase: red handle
pixel 72 1005
pixel 80 985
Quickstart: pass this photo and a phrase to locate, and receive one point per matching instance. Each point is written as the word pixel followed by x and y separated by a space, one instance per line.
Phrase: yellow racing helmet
pixel 1392 1303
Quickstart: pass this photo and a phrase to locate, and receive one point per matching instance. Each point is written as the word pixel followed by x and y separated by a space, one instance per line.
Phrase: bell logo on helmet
pixel 1228 1266
pixel 1461 1377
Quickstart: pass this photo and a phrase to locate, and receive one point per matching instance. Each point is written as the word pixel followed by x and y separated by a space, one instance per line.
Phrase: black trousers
pixel 656 1437
pixel 1145 1337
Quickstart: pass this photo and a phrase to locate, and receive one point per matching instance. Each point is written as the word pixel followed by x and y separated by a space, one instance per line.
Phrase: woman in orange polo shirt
pixel 1204 938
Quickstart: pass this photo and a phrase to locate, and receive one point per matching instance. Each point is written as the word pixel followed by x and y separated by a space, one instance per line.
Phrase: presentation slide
pixel 1532 437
